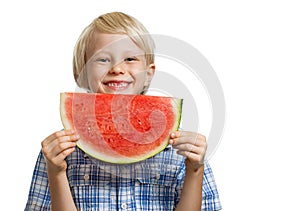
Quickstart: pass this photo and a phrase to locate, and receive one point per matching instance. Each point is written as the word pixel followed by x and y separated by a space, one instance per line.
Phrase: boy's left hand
pixel 191 145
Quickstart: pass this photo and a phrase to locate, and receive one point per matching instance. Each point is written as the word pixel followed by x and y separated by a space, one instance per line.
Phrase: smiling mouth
pixel 117 85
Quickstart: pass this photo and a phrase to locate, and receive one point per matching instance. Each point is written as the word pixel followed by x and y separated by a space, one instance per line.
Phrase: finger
pixel 191 138
pixel 56 135
pixel 60 135
pixel 193 157
pixel 175 134
pixel 60 144
pixel 189 148
pixel 57 155
pixel 60 139
pixel 62 155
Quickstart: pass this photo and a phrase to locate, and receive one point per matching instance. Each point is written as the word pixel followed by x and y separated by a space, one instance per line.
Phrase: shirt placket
pixel 125 195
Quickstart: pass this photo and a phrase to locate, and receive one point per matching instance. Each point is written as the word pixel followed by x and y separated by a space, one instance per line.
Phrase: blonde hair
pixel 110 23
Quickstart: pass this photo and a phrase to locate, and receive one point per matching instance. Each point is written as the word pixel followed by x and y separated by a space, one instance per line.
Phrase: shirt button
pixel 157 176
pixel 123 206
pixel 86 177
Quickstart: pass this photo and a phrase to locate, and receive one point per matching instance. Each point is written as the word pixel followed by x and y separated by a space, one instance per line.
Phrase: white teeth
pixel 117 85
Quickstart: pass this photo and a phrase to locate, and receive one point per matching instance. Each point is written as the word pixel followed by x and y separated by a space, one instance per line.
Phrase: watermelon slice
pixel 120 128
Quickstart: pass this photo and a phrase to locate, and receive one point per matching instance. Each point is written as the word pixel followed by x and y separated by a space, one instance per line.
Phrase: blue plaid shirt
pixel 153 184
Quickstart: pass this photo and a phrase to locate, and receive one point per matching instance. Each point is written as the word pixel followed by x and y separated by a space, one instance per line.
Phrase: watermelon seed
pixel 90 132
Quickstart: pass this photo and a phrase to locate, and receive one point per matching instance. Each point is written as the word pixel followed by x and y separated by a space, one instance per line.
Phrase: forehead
pixel 114 43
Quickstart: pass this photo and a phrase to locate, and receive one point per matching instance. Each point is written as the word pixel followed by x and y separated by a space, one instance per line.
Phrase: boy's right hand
pixel 57 147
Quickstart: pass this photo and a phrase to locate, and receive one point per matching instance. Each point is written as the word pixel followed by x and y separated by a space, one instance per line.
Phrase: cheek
pixel 94 76
pixel 140 76
pixel 139 71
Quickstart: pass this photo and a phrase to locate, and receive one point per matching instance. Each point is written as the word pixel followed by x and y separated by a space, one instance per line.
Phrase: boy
pixel 114 54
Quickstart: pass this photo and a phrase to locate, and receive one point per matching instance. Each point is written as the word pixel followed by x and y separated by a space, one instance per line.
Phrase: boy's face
pixel 116 65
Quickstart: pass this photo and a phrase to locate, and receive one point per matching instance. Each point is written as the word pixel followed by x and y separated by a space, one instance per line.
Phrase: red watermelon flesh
pixel 120 128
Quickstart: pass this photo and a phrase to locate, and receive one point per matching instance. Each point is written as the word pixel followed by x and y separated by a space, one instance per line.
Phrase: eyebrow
pixel 101 52
pixel 130 52
pixel 135 53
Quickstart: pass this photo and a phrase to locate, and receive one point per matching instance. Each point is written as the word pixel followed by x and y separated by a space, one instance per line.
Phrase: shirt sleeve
pixel 39 193
pixel 210 195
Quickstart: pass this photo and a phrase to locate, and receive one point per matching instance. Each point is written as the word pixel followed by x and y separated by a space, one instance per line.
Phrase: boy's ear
pixel 150 74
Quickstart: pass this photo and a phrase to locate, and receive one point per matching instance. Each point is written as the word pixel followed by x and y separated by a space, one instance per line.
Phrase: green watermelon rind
pixel 177 106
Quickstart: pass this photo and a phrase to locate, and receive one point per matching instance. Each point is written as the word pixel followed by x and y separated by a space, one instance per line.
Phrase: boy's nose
pixel 117 69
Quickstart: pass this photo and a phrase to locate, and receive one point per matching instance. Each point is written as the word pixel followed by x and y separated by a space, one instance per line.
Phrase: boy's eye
pixel 103 60
pixel 130 59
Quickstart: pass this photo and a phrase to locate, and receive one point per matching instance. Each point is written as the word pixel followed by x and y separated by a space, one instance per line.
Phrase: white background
pixel 254 47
